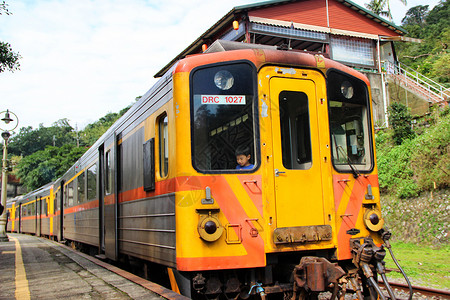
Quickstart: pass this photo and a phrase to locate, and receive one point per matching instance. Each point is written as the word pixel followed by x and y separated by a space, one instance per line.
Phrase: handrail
pixel 428 84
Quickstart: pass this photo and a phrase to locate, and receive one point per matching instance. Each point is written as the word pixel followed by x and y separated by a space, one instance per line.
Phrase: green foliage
pixel 430 57
pixel 381 7
pixel 48 152
pixel 9 60
pixel 430 160
pixel 394 171
pixel 441 68
pixel 47 165
pixel 424 265
pixel 400 121
pixel 417 164
pixel 30 140
pixel 94 131
pixel 416 15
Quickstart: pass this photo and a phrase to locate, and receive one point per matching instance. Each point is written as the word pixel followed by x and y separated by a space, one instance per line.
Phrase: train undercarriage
pixel 314 277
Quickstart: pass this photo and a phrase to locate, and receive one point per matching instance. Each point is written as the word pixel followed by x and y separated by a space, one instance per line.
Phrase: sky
pixel 86 58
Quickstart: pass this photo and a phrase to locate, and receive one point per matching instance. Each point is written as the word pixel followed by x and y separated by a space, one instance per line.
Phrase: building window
pixel 287 32
pixel 353 51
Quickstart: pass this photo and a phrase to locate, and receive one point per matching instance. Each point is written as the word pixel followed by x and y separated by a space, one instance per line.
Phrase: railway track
pixel 421 291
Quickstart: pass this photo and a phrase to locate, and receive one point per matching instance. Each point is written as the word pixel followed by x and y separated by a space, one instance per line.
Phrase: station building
pixel 337 29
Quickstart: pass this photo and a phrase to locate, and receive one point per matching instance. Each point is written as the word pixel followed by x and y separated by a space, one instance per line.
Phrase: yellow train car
pixel 246 171
pixel 310 196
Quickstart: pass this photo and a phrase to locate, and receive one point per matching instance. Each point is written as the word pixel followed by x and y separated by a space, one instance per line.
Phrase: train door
pixel 101 193
pixel 61 211
pixel 19 216
pixel 110 199
pixel 296 152
pixel 38 216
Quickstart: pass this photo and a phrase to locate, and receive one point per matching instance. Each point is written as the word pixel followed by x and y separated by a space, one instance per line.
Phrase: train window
pixel 149 164
pixel 55 202
pixel 295 131
pixel 92 182
pixel 108 174
pixel 223 115
pixel 70 194
pixel 163 145
pixel 348 106
pixel 81 197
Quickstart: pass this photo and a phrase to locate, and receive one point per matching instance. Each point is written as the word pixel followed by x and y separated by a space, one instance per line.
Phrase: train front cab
pixel 313 190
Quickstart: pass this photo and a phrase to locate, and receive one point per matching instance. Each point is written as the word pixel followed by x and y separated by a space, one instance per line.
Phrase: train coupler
pixel 316 274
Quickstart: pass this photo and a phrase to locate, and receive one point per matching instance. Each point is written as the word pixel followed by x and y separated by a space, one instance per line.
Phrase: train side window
pixel 295 130
pixel 81 188
pixel 70 194
pixel 55 202
pixel 92 182
pixel 149 165
pixel 108 174
pixel 163 145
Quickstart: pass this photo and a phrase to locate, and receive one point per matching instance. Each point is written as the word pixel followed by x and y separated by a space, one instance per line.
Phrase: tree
pixel 430 57
pixel 47 165
pixel 30 140
pixel 377 7
pixel 382 7
pixel 9 60
pixel 400 121
pixel 416 15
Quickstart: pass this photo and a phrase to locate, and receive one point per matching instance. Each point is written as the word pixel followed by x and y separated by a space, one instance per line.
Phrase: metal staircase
pixel 417 83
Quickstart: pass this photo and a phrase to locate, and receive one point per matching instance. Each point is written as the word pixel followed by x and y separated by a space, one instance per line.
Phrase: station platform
pixel 37 268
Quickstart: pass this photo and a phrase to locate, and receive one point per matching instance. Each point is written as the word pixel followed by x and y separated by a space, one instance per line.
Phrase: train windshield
pixel 348 105
pixel 222 111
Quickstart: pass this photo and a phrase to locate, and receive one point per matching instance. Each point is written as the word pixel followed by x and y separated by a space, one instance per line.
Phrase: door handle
pixel 277 173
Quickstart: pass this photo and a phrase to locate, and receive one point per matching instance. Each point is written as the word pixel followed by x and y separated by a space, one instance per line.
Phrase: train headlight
pixel 373 219
pixel 224 80
pixel 209 228
pixel 347 89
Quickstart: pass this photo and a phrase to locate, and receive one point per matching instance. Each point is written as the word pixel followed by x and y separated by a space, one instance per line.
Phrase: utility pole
pixel 5 135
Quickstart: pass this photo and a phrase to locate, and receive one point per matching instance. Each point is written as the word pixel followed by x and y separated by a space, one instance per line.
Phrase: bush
pixel 400 121
pixel 418 164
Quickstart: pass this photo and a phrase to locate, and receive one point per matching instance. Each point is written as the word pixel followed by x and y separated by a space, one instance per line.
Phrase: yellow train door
pixel 299 199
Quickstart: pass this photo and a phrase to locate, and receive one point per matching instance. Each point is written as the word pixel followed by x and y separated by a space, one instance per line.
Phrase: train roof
pixel 261 55
pixel 42 191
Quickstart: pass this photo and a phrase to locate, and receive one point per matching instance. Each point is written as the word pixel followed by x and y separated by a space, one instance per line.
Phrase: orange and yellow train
pixel 162 184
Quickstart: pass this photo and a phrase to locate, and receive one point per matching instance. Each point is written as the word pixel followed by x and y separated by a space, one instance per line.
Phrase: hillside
pixel 415 180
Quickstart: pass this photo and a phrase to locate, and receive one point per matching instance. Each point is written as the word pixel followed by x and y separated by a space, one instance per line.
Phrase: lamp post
pixel 11 124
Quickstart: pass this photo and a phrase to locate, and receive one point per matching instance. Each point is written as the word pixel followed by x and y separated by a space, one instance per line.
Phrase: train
pixel 163 185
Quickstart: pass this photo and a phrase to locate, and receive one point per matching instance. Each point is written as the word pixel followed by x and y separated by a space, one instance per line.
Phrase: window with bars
pixel 353 51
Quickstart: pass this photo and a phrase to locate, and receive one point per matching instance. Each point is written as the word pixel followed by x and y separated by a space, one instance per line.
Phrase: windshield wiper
pixel 355 171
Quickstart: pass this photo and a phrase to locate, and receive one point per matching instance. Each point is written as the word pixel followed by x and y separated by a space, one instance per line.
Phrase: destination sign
pixel 223 99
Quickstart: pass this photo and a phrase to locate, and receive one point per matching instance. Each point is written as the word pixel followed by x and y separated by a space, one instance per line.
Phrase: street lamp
pixel 11 124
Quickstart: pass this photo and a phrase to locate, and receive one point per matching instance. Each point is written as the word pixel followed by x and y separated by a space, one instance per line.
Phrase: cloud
pixel 83 59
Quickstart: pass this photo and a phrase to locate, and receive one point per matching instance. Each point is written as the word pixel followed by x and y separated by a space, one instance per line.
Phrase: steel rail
pixel 445 294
